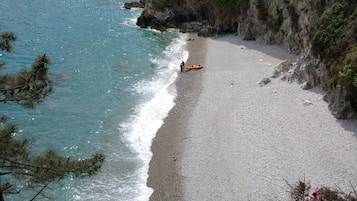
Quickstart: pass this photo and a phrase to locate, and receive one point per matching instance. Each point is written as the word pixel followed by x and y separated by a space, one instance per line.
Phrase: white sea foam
pixel 138 132
pixel 142 128
pixel 131 21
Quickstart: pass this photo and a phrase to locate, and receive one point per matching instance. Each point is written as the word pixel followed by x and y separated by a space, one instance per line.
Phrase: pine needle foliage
pixel 20 170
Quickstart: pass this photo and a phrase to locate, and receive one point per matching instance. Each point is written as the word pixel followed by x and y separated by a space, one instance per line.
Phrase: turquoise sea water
pixel 112 88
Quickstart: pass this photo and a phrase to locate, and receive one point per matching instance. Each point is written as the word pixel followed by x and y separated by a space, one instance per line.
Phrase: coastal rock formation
pixel 130 5
pixel 294 25
pixel 290 71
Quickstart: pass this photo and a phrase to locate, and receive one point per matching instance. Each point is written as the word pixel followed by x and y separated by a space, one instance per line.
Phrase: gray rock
pixel 306 85
pixel 264 81
pixel 307 102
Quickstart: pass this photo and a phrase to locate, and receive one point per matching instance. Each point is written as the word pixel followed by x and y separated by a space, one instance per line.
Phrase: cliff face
pixel 291 24
pixel 280 22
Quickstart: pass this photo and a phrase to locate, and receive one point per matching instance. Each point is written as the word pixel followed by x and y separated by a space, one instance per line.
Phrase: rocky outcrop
pixel 130 5
pixel 186 16
pixel 306 75
pixel 290 24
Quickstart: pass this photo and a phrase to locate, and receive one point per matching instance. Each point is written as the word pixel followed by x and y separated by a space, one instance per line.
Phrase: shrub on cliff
pixel 335 42
pixel 348 76
pixel 160 4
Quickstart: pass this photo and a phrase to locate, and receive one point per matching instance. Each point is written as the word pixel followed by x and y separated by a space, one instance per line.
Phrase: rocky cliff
pixel 322 32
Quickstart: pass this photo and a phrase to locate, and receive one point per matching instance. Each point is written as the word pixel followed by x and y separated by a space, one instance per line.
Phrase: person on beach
pixel 182 65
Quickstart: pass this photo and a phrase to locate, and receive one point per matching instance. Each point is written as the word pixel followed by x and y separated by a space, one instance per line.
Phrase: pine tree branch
pixel 6 187
pixel 25 173
pixel 29 166
pixel 40 191
pixel 32 167
pixel 19 99
pixel 35 79
pixel 14 100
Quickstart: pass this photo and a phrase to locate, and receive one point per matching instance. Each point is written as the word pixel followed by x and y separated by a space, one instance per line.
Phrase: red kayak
pixel 194 67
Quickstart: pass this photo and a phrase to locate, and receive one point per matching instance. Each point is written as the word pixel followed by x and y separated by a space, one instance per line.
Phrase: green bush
pixel 330 31
pixel 335 43
pixel 348 75
pixel 226 4
pixel 160 4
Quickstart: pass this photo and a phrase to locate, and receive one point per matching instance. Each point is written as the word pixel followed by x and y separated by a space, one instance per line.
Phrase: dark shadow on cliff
pixel 256 45
pixel 349 125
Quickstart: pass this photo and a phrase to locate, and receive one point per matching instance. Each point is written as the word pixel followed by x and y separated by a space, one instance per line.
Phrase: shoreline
pixel 228 138
pixel 164 167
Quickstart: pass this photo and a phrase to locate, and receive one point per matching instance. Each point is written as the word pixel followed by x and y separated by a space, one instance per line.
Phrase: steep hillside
pixel 322 32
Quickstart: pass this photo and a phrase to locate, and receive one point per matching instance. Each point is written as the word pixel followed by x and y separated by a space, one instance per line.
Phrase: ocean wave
pixel 150 115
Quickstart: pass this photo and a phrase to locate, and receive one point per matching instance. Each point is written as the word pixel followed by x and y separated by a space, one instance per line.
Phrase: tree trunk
pixel 2 197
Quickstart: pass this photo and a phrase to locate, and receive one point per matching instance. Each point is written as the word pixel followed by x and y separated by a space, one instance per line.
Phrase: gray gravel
pixel 242 140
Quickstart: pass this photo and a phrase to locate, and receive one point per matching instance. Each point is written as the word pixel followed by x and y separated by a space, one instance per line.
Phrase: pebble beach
pixel 227 138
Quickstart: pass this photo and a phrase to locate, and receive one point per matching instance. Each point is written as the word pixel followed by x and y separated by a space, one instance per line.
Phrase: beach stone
pixel 264 81
pixel 307 102
pixel 306 85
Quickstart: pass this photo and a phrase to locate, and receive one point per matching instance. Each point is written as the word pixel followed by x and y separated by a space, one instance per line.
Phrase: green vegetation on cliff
pixel 335 42
pixel 228 4
pixel 160 4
